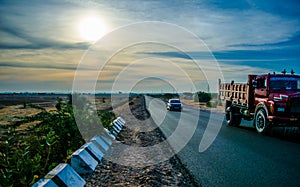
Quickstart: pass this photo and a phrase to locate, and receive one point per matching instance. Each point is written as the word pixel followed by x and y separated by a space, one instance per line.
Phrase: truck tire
pixel 227 105
pixel 232 119
pixel 261 122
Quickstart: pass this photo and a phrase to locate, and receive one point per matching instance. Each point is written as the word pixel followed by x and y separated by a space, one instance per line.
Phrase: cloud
pixel 238 63
pixel 245 36
pixel 33 79
pixel 11 36
pixel 37 66
pixel 293 41
pixel 65 59
pixel 39 25
pixel 172 54
pixel 46 45
pixel 225 25
pixel 233 55
pixel 221 24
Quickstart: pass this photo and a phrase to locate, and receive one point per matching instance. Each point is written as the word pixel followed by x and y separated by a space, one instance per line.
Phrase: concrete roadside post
pixel 82 162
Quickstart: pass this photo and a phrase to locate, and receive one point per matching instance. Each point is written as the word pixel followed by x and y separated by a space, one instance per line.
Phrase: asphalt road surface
pixel 237 157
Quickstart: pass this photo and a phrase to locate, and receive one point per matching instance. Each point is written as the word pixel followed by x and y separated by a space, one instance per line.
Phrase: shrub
pixel 107 119
pixel 26 158
pixel 202 97
pixel 211 104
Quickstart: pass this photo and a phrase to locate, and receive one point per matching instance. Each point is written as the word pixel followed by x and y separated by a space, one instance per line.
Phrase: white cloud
pixel 223 27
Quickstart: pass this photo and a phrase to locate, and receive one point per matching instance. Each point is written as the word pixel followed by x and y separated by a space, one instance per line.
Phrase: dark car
pixel 174 104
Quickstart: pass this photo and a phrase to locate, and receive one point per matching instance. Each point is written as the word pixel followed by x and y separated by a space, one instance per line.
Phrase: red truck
pixel 269 100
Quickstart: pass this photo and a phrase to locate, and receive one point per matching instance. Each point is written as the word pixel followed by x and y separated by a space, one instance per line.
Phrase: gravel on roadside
pixel 166 173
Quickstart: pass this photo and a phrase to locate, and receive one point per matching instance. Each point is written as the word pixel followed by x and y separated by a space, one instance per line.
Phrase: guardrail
pixel 83 161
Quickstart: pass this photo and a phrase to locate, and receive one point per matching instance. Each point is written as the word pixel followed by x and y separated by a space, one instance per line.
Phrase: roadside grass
pixel 35 139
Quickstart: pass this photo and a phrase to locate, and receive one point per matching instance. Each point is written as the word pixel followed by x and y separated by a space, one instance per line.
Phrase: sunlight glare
pixel 92 28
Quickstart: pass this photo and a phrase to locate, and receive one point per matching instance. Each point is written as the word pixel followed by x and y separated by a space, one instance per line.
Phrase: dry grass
pixel 15 112
pixel 202 105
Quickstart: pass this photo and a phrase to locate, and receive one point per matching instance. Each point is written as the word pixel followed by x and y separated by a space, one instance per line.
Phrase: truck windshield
pixel 284 83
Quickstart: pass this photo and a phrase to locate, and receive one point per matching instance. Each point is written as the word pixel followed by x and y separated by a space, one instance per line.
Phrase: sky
pixel 44 45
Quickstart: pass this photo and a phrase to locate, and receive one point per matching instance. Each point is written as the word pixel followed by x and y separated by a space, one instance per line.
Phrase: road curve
pixel 237 157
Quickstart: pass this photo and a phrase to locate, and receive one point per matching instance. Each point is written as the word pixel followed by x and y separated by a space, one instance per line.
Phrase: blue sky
pixel 41 44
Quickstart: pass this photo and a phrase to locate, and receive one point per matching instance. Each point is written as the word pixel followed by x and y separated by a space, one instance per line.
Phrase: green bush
pixel 26 158
pixel 107 119
pixel 211 104
pixel 202 97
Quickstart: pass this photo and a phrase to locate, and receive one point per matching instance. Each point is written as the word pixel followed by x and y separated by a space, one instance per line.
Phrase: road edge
pixel 194 180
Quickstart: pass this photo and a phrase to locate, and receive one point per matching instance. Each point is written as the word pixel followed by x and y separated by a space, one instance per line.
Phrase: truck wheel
pixel 231 118
pixel 227 105
pixel 261 122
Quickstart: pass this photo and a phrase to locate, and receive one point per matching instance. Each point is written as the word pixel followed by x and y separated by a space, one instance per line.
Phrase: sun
pixel 92 28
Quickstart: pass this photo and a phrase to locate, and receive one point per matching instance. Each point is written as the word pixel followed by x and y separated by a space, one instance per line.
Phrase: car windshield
pixel 174 101
pixel 285 83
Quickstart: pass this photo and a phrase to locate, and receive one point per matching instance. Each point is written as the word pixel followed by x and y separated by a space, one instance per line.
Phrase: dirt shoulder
pixel 133 168
pixel 202 106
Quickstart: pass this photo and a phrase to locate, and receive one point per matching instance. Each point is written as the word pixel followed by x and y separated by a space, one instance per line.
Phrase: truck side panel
pixel 236 93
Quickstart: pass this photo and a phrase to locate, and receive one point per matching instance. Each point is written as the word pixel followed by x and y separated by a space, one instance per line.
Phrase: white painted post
pixel 82 162
pixel 110 134
pixel 65 175
pixel 116 130
pixel 108 139
pixel 117 125
pixel 94 151
pixel 44 183
pixel 121 120
pixel 100 143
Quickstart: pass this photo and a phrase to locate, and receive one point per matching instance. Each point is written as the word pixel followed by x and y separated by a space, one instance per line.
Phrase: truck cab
pixel 279 96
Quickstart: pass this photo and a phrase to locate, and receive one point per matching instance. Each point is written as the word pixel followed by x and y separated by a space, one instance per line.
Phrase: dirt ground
pixel 191 102
pixel 128 167
pixel 170 172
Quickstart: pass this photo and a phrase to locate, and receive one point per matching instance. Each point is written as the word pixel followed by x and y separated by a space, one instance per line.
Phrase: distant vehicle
pixel 269 100
pixel 174 104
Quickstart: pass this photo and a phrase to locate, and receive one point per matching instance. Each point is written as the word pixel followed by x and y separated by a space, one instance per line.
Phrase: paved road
pixel 237 157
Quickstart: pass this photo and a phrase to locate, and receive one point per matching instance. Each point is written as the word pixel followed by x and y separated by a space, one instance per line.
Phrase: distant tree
pixel 170 95
pixel 202 97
